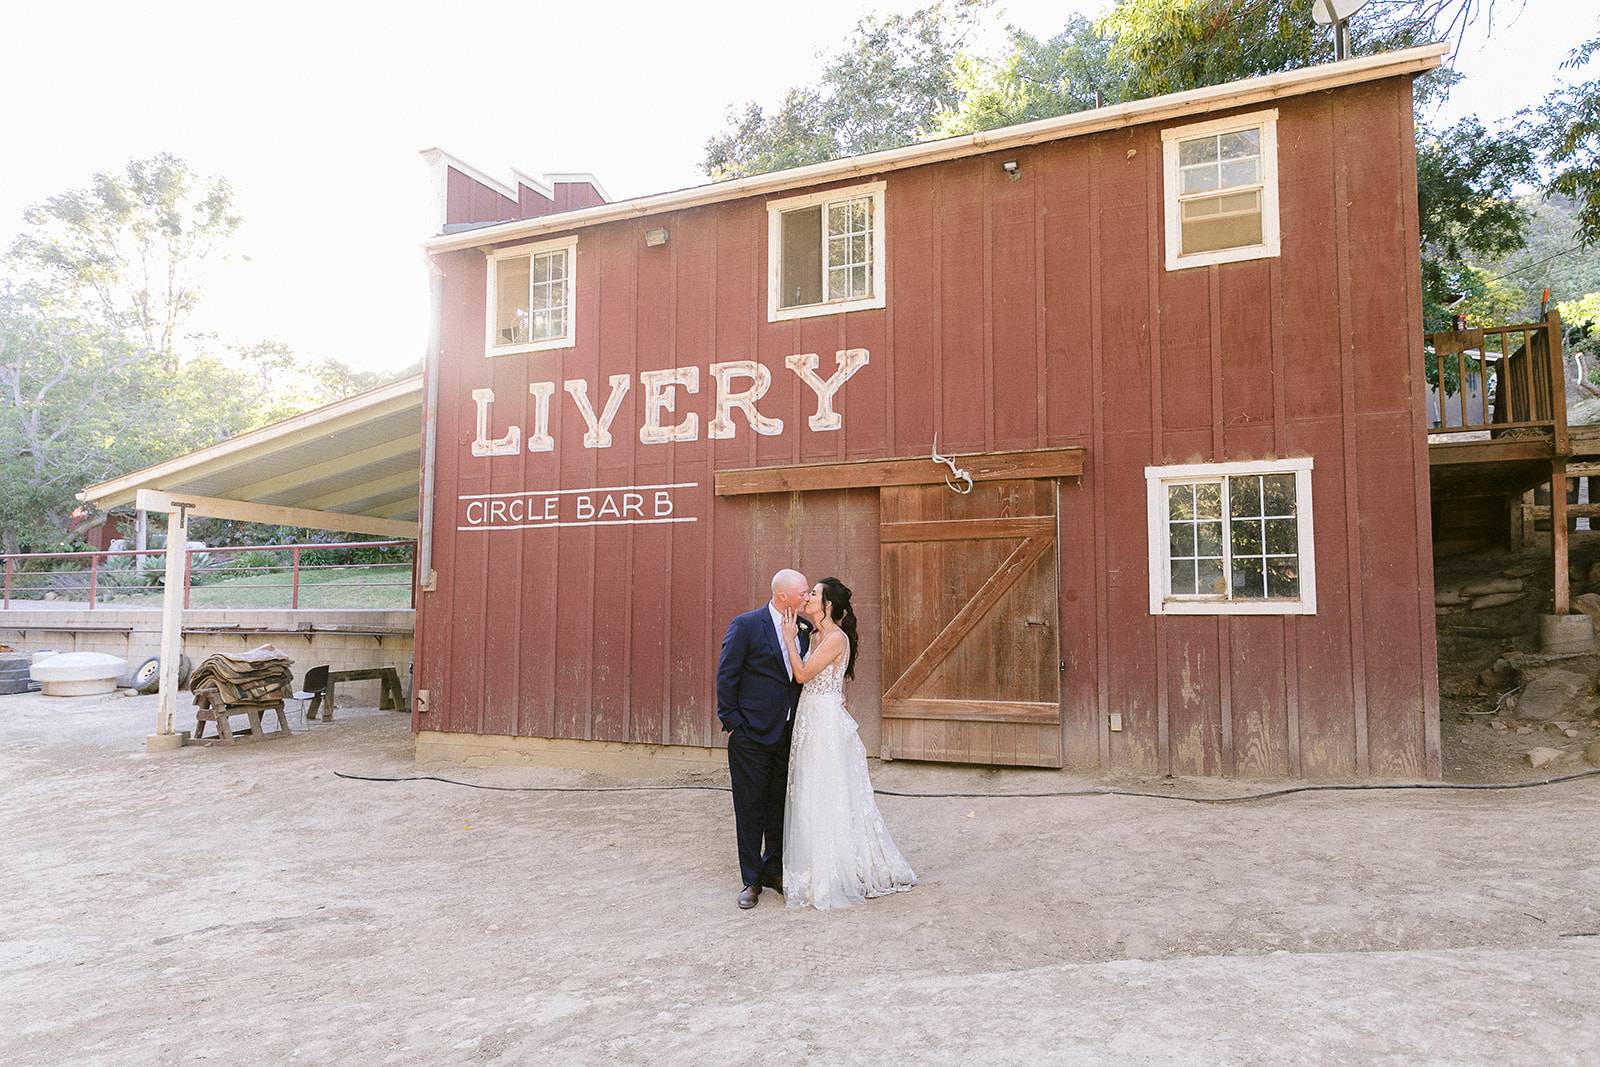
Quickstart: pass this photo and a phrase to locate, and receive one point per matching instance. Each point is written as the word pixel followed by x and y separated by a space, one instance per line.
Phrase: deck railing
pixel 1506 381
pixel 371 574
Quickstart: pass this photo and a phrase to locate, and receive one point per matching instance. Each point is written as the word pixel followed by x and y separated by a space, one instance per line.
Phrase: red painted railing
pixel 31 575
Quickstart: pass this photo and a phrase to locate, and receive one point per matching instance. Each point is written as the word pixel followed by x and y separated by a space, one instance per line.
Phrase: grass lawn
pixel 339 587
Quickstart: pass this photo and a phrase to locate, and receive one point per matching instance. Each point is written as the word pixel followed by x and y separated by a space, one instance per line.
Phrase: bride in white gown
pixel 836 849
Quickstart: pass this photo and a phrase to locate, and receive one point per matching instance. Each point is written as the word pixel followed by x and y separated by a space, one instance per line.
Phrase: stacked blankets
pixel 259 676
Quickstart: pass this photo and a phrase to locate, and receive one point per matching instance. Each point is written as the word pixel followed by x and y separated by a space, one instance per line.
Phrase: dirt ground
pixel 247 906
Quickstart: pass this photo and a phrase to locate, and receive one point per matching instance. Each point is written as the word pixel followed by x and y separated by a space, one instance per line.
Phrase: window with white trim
pixel 1221 190
pixel 1231 538
pixel 825 253
pixel 531 297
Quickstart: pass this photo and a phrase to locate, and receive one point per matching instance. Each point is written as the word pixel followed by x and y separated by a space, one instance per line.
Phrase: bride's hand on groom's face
pixel 791 624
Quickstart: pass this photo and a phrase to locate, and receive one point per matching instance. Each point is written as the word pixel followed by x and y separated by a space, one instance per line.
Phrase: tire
pixel 146 677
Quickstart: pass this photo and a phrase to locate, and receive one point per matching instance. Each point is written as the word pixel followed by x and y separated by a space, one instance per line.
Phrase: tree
pixel 124 252
pixel 1072 70
pixel 99 372
pixel 1568 131
pixel 885 88
pixel 1468 210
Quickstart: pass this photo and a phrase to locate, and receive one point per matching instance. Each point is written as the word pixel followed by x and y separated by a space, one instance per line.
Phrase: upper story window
pixel 825 252
pixel 1231 538
pixel 531 297
pixel 1221 192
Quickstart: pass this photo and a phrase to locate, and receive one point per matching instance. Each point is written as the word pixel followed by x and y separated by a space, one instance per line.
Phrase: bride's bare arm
pixel 809 666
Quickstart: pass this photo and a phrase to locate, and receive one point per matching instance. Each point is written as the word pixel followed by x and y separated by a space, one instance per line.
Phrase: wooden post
pixel 141 531
pixel 171 629
pixel 1558 532
pixel 294 578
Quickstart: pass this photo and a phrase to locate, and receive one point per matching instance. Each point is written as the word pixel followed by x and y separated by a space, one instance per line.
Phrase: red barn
pixel 1169 352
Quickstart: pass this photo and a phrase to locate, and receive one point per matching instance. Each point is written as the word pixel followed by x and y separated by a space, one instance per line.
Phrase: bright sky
pixel 316 112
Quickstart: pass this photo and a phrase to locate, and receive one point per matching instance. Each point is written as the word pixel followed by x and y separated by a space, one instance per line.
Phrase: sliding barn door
pixel 971 654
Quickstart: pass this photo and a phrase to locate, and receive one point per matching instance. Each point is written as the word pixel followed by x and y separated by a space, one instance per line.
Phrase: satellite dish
pixel 1331 12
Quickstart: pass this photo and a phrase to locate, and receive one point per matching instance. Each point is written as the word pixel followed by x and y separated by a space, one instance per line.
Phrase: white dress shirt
pixel 783 646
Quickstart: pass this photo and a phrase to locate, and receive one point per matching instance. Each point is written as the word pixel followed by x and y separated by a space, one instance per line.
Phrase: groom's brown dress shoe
pixel 748 897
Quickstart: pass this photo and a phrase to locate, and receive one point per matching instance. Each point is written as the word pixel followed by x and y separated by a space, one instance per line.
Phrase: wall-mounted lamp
pixel 655 237
pixel 1012 168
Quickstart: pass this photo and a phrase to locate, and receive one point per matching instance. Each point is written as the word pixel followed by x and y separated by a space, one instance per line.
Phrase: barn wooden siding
pixel 1021 314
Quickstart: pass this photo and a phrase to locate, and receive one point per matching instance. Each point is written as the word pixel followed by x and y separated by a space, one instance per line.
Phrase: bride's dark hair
pixel 836 598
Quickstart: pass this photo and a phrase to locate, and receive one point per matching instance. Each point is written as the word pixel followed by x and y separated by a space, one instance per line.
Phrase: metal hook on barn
pixel 958 480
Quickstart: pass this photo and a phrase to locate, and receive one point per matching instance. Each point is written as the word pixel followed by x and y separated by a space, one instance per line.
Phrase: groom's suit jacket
pixel 753 689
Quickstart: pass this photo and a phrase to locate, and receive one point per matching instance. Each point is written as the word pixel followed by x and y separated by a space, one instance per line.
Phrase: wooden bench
pixel 210 708
pixel 388 679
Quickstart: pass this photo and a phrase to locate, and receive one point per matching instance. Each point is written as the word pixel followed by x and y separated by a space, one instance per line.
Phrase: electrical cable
pixel 1096 792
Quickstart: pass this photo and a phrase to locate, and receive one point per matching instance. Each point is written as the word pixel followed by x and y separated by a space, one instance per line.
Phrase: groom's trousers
pixel 760 776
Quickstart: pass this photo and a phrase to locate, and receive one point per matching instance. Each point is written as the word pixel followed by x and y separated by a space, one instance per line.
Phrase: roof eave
pixel 1156 109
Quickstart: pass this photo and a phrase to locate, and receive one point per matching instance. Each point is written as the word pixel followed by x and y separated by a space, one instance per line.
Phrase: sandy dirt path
pixel 246 906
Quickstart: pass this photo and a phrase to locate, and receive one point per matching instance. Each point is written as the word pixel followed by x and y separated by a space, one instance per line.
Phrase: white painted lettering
pixel 633 504
pixel 663 503
pixel 599 432
pixel 472 519
pixel 518 510
pixel 497 511
pixel 608 508
pixel 552 506
pixel 659 399
pixel 585 506
pixel 482 446
pixel 846 363
pixel 721 425
pixel 539 439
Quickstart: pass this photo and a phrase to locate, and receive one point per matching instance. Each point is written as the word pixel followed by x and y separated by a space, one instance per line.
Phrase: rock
pixel 1594 574
pixel 1491 585
pixel 1588 604
pixel 1496 680
pixel 1524 568
pixel 1542 757
pixel 1447 610
pixel 1496 724
pixel 1551 694
pixel 1445 598
pixel 1495 600
pixel 1591 753
pixel 1570 733
pixel 1524 729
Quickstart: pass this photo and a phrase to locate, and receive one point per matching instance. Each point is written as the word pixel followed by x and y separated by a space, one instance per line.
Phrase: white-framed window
pixel 1221 190
pixel 1231 538
pixel 531 297
pixel 825 253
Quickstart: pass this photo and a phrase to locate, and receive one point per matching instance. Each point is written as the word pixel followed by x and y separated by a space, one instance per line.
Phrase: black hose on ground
pixel 1240 798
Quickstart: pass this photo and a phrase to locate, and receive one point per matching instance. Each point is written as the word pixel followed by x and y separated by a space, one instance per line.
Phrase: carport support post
pixel 171 632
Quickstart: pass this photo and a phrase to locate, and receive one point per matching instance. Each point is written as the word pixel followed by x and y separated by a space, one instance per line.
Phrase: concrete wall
pixel 134 633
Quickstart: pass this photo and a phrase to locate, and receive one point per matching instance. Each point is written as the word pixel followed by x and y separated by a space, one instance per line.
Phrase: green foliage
pixel 99 373
pixel 1032 79
pixel 1568 130
pixel 1467 180
pixel 885 87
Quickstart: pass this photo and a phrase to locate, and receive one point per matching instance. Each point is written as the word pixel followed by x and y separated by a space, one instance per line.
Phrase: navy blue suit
pixel 756 700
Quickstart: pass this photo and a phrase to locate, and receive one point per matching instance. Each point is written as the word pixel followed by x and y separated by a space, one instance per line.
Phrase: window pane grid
pixel 1221 186
pixel 847 249
pixel 548 297
pixel 1235 538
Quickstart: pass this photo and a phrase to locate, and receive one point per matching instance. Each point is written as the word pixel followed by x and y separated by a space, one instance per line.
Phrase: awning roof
pixel 356 457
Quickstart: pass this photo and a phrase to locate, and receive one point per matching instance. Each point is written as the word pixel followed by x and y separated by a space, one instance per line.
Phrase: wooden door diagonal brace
pixel 970 614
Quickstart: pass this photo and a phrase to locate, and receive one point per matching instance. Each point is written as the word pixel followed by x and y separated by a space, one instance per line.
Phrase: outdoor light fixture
pixel 655 237
pixel 1012 168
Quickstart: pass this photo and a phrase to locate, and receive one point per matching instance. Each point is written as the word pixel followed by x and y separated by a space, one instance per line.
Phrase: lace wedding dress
pixel 836 849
